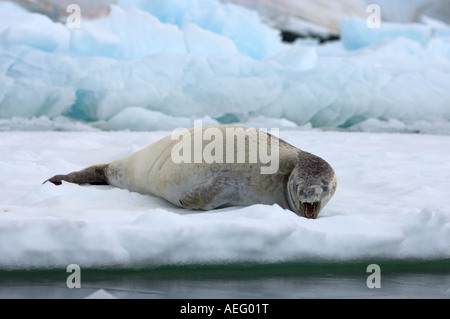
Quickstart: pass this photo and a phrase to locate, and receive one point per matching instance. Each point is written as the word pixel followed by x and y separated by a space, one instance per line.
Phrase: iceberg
pixel 218 61
pixel 251 37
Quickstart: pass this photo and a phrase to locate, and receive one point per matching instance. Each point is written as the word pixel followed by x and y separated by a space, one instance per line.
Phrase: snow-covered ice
pixel 391 203
pixel 154 66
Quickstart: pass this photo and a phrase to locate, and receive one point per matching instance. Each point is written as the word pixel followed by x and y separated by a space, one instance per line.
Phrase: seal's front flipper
pixel 212 194
pixel 94 175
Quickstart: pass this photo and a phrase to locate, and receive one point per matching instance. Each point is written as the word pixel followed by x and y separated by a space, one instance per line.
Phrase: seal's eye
pixel 325 188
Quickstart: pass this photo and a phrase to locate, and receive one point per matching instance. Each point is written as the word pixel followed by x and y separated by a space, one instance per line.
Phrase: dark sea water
pixel 414 279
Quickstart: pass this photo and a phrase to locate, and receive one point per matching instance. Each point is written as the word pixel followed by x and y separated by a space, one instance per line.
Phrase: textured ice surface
pixel 218 61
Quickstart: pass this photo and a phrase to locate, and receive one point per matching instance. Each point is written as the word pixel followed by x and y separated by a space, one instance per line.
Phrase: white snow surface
pixel 391 203
pixel 179 61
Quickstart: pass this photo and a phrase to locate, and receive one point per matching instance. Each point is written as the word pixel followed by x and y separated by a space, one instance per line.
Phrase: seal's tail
pixel 94 175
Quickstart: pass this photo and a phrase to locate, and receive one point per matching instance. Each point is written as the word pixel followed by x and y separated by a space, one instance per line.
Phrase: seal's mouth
pixel 309 210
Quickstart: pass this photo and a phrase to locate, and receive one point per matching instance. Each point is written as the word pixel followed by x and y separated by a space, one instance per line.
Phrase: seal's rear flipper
pixel 94 175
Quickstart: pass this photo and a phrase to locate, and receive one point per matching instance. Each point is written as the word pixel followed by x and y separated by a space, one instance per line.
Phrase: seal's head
pixel 311 185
